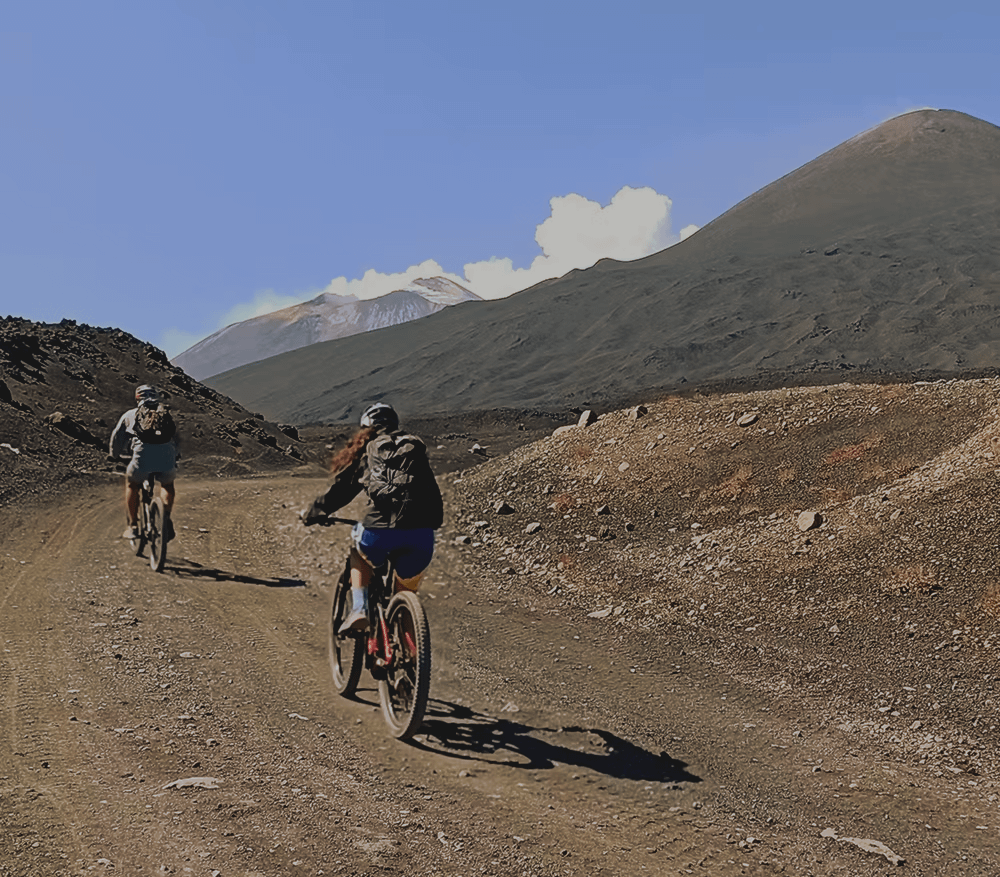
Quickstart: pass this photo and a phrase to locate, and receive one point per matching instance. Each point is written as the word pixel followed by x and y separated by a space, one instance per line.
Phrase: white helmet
pixel 147 393
pixel 381 416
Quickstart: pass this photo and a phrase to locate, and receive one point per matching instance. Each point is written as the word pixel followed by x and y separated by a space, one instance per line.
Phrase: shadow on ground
pixel 460 732
pixel 190 569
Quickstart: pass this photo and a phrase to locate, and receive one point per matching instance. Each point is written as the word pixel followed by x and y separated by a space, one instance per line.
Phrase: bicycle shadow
pixel 463 733
pixel 187 568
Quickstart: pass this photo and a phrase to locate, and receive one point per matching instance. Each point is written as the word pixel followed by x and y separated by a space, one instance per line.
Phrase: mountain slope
pixel 323 318
pixel 63 387
pixel 881 256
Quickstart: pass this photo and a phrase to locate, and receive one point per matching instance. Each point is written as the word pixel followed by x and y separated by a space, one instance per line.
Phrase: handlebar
pixel 329 521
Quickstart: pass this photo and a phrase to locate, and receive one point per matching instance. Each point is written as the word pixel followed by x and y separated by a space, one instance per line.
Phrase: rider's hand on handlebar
pixel 308 517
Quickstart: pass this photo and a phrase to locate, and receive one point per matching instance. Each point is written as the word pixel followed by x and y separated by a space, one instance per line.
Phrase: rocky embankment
pixel 834 548
pixel 63 387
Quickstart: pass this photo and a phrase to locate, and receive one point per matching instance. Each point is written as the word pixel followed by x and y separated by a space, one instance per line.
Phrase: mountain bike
pixel 153 522
pixel 396 648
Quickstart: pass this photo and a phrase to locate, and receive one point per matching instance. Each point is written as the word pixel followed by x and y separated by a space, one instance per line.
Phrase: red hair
pixel 349 455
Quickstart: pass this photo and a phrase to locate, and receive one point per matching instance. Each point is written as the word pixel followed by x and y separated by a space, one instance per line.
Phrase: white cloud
pixel 577 233
pixel 373 285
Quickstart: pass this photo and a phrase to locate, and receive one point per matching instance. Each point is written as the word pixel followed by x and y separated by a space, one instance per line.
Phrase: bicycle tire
pixel 406 687
pixel 157 535
pixel 346 651
pixel 139 543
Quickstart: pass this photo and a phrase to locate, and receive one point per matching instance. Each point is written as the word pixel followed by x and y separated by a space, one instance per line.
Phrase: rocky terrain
pixel 714 633
pixel 63 387
pixel 835 546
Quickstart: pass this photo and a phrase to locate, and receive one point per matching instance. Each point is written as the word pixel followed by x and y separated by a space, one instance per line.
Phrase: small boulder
pixel 809 521
pixel 73 428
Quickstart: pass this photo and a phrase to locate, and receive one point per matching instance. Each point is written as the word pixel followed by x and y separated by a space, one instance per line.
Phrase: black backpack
pixel 154 424
pixel 396 462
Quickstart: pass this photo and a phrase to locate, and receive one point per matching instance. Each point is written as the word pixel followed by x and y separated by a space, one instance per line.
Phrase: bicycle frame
pixel 378 646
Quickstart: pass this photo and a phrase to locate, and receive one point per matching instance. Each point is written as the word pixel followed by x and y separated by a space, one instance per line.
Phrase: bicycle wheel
pixel 139 543
pixel 346 651
pixel 157 535
pixel 406 686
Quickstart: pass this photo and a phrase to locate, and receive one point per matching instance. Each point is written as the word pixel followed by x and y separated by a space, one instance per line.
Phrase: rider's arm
pixel 121 437
pixel 346 485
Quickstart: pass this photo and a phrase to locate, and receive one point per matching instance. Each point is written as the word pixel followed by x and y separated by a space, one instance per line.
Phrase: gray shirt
pixel 147 457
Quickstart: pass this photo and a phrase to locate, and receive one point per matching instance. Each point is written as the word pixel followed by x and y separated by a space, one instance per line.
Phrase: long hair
pixel 349 455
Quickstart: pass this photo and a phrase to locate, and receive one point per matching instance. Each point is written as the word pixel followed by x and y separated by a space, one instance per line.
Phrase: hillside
pixel 879 258
pixel 832 546
pixel 63 387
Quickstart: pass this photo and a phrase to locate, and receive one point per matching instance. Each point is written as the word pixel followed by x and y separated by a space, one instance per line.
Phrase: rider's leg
pixel 361 571
pixel 361 574
pixel 412 563
pixel 169 492
pixel 408 584
pixel 132 502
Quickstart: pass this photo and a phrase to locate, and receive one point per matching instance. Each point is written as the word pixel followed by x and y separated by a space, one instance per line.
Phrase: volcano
pixel 880 258
pixel 323 318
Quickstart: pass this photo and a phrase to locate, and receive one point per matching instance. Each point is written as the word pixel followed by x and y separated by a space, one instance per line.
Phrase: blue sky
pixel 168 166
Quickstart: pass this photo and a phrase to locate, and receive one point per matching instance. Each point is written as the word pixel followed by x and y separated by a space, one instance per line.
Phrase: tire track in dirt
pixel 37 651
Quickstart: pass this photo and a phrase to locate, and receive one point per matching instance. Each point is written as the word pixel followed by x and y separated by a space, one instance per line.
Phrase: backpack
pixel 154 424
pixel 396 461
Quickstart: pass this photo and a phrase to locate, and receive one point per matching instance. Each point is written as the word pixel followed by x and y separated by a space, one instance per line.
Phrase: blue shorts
pixel 411 550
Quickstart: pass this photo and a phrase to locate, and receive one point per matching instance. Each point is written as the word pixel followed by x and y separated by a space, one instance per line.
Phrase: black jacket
pixel 424 510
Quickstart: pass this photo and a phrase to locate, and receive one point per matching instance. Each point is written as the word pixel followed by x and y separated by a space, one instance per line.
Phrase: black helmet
pixel 147 392
pixel 381 416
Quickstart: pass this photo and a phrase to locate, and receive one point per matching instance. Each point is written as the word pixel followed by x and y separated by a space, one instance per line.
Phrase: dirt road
pixel 184 723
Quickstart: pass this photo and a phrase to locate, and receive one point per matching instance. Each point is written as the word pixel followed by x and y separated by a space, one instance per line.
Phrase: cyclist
pixel 157 457
pixel 403 505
